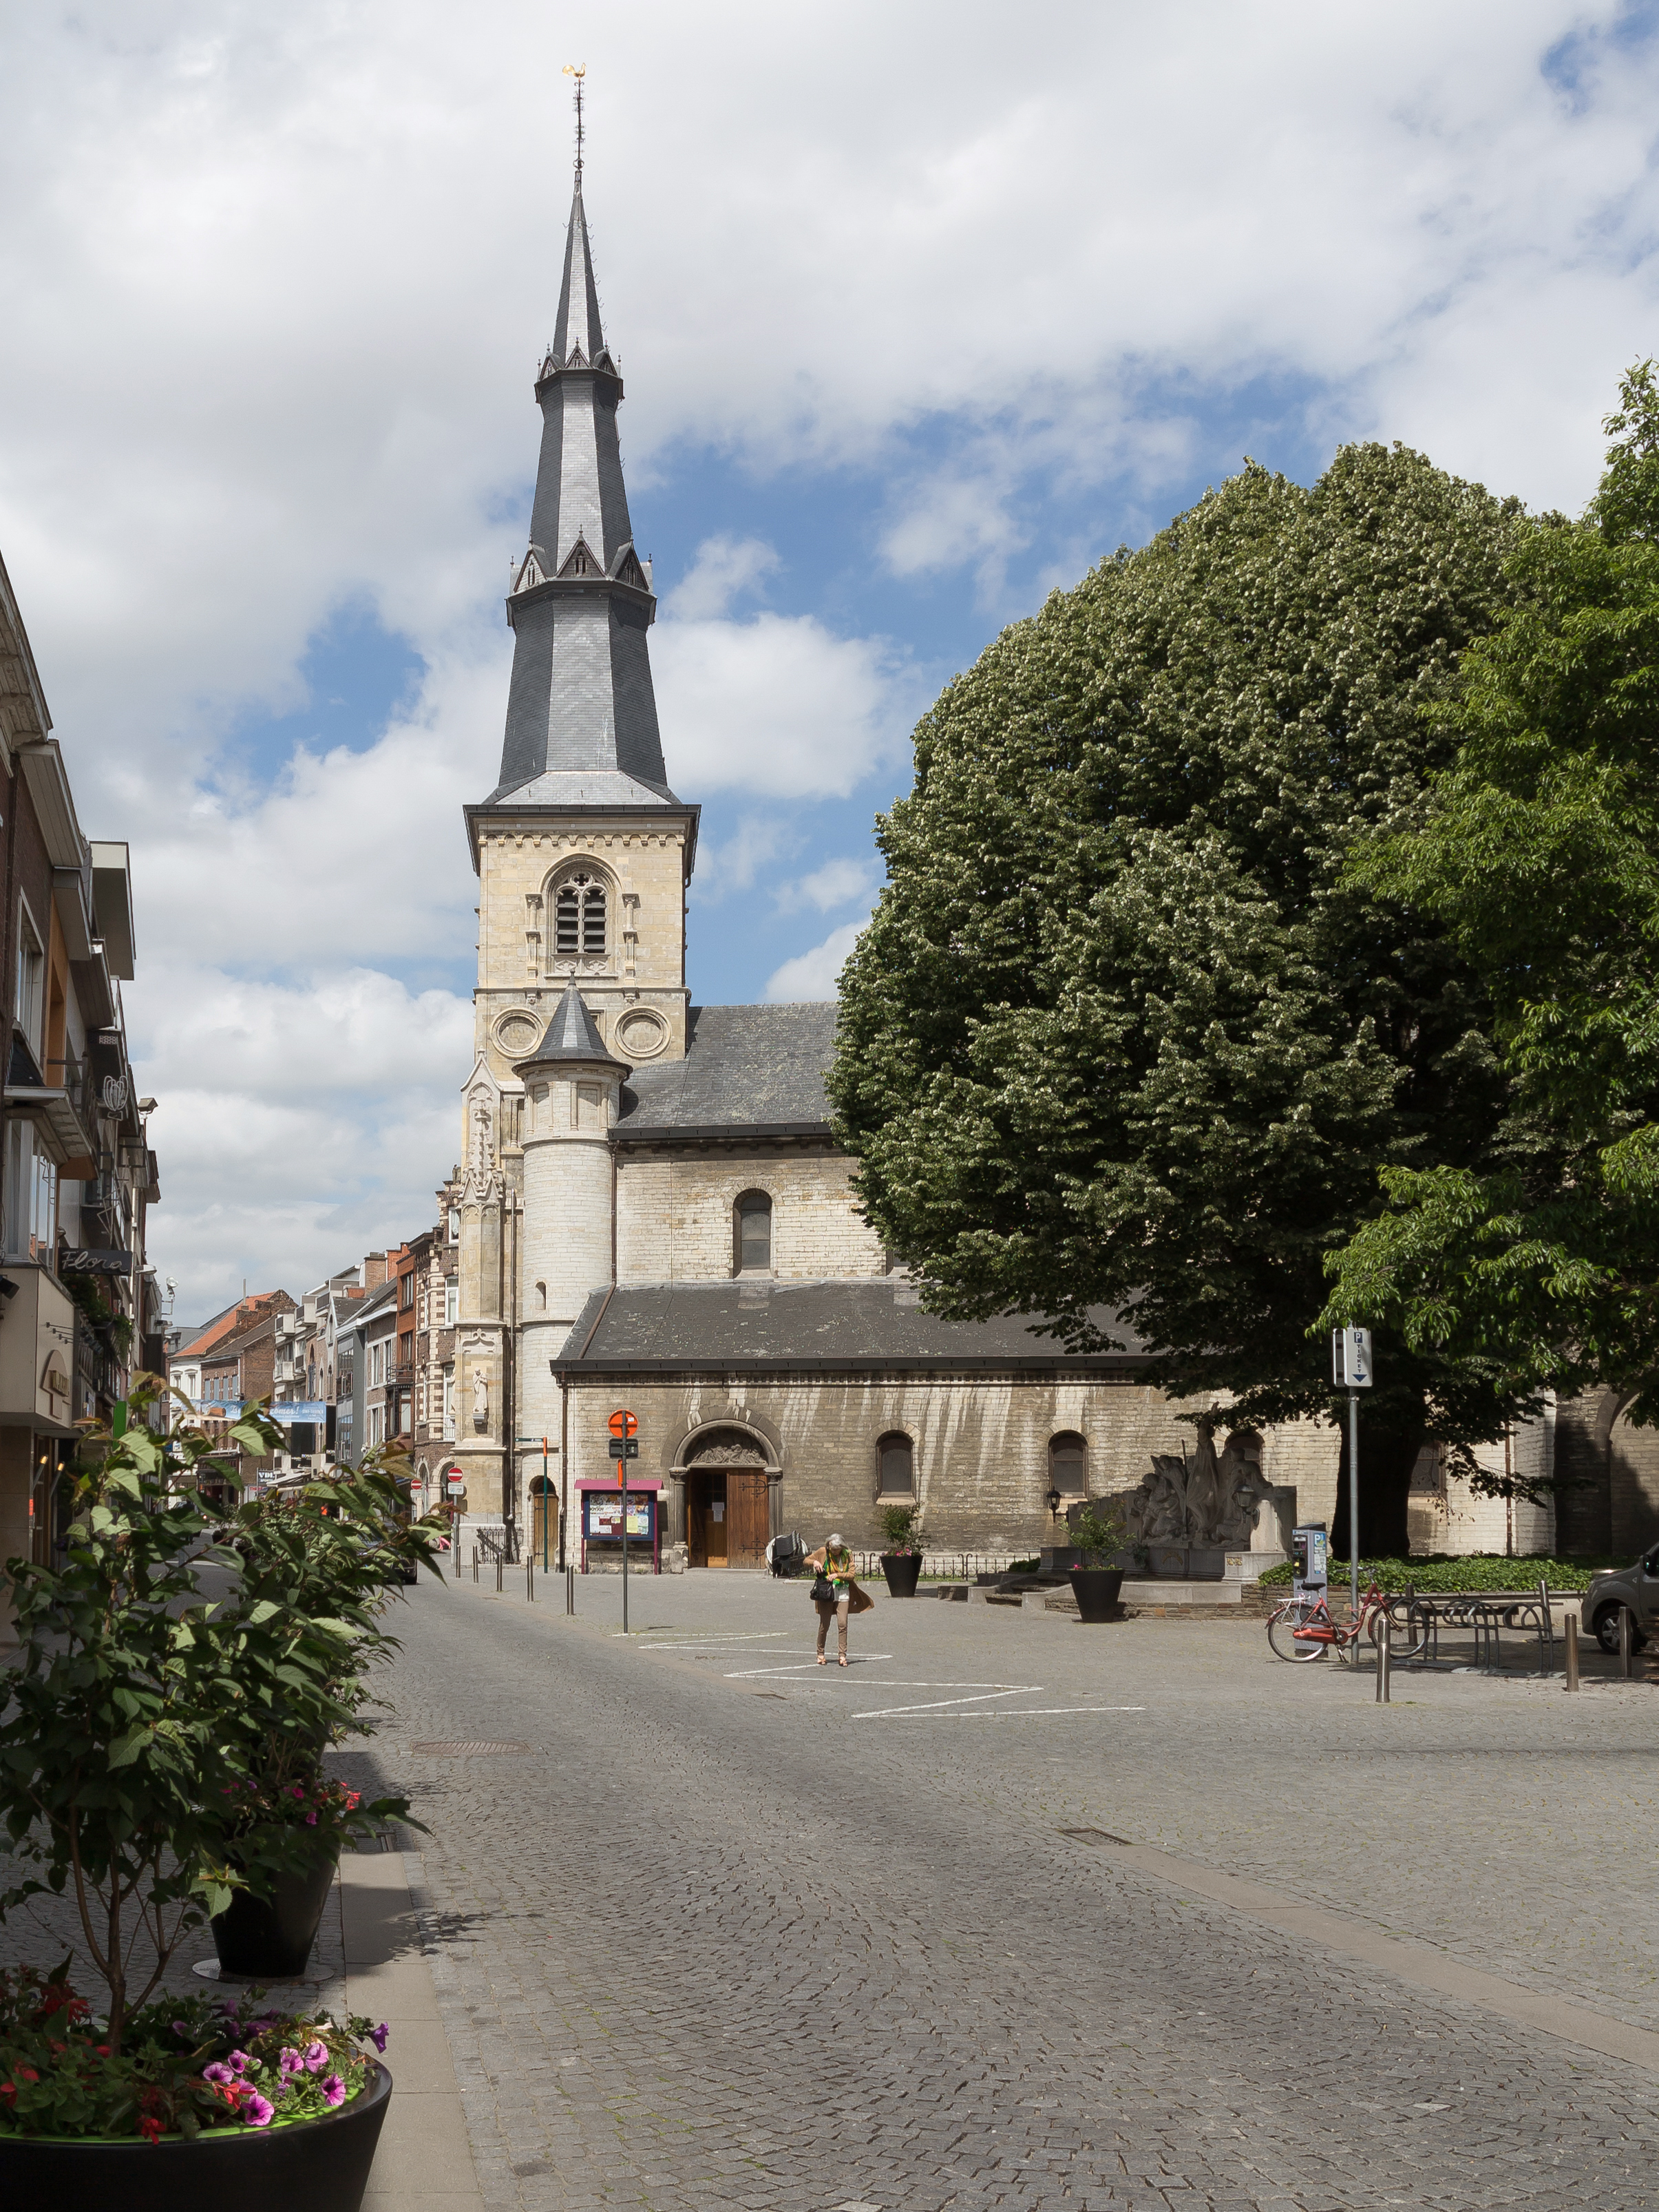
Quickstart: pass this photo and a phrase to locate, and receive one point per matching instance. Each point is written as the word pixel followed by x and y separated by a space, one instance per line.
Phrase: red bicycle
pixel 1303 1629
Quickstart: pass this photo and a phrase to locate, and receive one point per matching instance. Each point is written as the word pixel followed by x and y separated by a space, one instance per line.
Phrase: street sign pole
pixel 1353 1503
pixel 1350 1364
pixel 623 1427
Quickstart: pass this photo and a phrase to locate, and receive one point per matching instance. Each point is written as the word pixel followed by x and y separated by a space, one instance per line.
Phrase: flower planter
pixel 902 1571
pixel 321 2164
pixel 1095 1590
pixel 268 1939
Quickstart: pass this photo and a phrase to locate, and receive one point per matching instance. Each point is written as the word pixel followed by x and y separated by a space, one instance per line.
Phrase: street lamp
pixel 1051 1501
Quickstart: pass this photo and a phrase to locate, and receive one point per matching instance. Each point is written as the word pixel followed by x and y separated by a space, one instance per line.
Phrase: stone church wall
pixel 675 1223
pixel 982 1445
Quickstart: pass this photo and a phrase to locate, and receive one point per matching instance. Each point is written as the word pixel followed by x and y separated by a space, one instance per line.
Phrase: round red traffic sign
pixel 623 1424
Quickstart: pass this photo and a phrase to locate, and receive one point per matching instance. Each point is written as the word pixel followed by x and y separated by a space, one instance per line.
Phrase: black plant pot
pixel 268 1939
pixel 902 1571
pixel 1095 1590
pixel 321 2165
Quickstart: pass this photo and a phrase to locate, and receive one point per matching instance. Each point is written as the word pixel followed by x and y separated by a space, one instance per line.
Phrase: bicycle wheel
pixel 1282 1627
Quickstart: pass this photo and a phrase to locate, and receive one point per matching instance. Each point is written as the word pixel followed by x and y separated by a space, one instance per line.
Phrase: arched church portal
pixel 726 1475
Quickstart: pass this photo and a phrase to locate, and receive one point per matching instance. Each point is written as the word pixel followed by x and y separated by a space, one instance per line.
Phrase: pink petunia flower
pixel 378 2036
pixel 299 1788
pixel 237 2060
pixel 316 2056
pixel 290 2061
pixel 311 1820
pixel 333 2090
pixel 217 2073
pixel 257 2111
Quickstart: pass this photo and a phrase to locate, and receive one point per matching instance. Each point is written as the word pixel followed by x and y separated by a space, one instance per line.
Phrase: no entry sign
pixel 623 1424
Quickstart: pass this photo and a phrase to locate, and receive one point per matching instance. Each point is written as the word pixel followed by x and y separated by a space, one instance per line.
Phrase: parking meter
pixel 1310 1560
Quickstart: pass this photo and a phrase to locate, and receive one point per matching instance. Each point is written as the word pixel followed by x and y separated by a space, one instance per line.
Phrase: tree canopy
pixel 1124 1035
pixel 1538 850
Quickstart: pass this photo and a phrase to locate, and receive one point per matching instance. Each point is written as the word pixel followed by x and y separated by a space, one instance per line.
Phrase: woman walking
pixel 834 1563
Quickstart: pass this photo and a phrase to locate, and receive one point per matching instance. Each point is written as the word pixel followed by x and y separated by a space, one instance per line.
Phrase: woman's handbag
pixel 823 1590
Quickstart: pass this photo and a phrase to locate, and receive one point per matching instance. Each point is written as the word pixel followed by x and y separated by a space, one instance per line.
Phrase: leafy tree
pixel 1538 849
pixel 1121 1039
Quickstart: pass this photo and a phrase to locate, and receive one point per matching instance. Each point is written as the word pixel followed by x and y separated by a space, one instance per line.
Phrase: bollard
pixel 1624 1641
pixel 1384 1654
pixel 530 1581
pixel 1572 1650
pixel 475 1563
pixel 499 1563
pixel 570 1588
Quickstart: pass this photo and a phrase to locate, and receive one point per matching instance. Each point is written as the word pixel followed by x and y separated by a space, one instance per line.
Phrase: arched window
pixel 895 1466
pixel 1068 1464
pixel 752 1223
pixel 579 917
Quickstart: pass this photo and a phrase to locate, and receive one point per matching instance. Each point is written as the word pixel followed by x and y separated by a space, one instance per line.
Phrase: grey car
pixel 1632 1590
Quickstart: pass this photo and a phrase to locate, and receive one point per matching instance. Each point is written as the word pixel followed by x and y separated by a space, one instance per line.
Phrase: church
pixel 655 1214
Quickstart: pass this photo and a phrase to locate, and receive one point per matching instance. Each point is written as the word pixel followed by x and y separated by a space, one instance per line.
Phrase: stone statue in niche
pixel 481 1135
pixel 480 1402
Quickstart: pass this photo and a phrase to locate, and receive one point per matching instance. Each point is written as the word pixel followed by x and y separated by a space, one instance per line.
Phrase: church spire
pixel 581 716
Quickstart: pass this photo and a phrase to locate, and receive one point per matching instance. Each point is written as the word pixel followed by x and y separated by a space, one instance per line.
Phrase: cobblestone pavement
pixel 733 1932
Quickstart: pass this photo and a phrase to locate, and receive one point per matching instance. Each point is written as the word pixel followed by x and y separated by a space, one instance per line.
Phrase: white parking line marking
pixel 886 1712
pixel 806 1666
pixel 1024 1713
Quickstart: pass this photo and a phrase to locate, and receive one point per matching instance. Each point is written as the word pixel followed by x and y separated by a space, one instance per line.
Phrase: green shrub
pixel 1480 1571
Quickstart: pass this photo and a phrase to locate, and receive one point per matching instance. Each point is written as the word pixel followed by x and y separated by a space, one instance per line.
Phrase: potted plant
pixel 204 2104
pixel 336 1550
pixel 134 1706
pixel 1097 1534
pixel 901 1562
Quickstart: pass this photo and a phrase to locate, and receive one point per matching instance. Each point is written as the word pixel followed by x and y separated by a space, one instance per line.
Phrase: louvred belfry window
pixel 579 918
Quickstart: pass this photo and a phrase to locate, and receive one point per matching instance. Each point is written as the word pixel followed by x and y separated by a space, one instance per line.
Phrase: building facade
pixel 80 1311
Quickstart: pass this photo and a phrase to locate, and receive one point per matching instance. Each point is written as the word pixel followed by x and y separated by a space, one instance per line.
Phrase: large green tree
pixel 1122 1038
pixel 1538 849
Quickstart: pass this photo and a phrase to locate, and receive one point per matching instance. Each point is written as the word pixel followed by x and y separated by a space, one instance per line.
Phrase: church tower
pixel 583 854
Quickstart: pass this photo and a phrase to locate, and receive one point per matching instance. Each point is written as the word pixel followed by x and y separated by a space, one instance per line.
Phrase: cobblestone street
pixel 726 1931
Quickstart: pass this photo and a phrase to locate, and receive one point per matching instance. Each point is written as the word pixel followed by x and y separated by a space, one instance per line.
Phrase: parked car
pixel 1633 1589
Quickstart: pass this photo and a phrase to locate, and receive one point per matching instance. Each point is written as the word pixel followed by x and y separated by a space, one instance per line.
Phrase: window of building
pixel 426 1302
pixel 375 1417
pixel 451 1304
pixel 454 1225
pixel 579 918
pixel 31 978
pixel 406 1292
pixel 895 1466
pixel 30 1198
pixel 752 1220
pixel 1068 1464
pixel 449 1404
pixel 406 1350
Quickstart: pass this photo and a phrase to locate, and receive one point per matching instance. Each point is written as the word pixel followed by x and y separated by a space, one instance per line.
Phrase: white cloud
pixel 812 975
pixel 777 705
pixel 842 882
pixel 724 570
pixel 303 1122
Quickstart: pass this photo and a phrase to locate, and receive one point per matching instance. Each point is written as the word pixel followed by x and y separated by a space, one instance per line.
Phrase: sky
pixel 923 309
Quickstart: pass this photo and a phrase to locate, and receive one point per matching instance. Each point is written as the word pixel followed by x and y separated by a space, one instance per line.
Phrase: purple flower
pixel 181 2027
pixel 316 2056
pixel 333 2090
pixel 257 2111
pixel 237 2060
pixel 311 1820
pixel 260 2026
pixel 290 2061
pixel 221 2074
pixel 377 2036
pixel 299 1790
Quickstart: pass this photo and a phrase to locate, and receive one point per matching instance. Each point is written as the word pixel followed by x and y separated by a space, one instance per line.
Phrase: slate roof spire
pixel 581 713
pixel 571 1034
